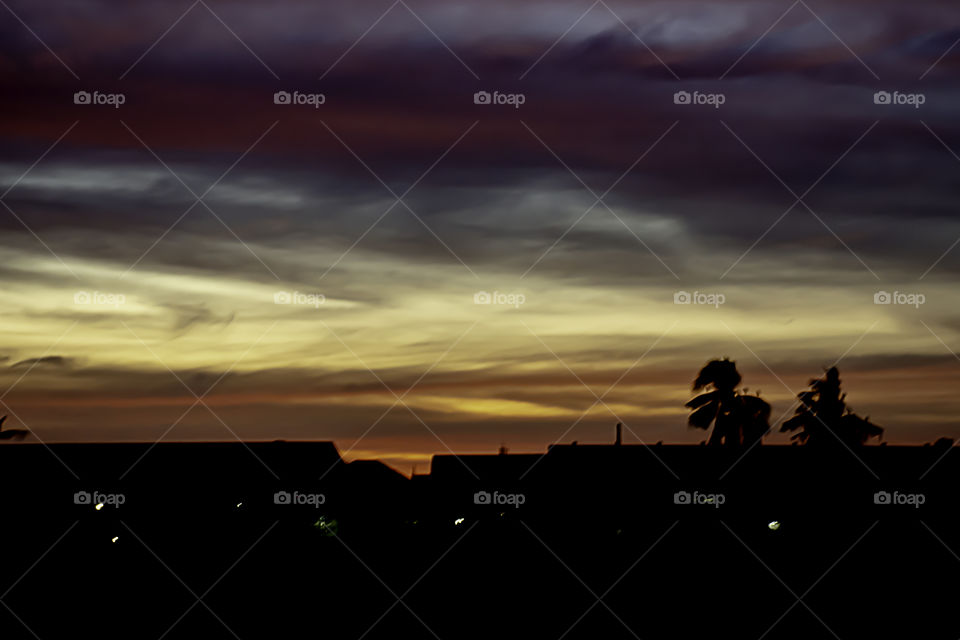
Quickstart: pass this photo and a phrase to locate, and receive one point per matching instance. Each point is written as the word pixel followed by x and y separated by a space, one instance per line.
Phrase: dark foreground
pixel 206 541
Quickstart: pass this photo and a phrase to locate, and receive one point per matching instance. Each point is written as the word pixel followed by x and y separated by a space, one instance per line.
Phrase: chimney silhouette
pixel 619 440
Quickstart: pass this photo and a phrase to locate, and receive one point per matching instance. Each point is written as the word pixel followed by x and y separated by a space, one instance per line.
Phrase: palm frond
pixel 702 417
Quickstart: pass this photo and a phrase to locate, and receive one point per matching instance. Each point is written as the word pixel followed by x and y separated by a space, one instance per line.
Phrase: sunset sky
pixel 144 246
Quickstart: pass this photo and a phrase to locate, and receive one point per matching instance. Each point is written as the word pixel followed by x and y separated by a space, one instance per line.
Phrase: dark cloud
pixel 52 361
pixel 799 112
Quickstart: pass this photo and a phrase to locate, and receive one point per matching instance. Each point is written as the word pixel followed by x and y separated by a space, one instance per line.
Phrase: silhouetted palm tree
pixel 825 419
pixel 9 434
pixel 737 418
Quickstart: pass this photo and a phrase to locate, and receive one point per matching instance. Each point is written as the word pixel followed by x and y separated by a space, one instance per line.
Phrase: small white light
pixel 114 539
pixel 99 506
pixel 238 504
pixel 458 521
pixel 773 526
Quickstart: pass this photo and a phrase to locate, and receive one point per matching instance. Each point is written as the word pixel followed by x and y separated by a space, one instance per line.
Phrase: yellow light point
pixel 773 526
pixel 238 504
pixel 99 506
pixel 458 521
pixel 114 539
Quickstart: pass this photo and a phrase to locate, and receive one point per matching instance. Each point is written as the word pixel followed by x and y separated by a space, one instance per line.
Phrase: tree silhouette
pixel 10 434
pixel 737 418
pixel 824 418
